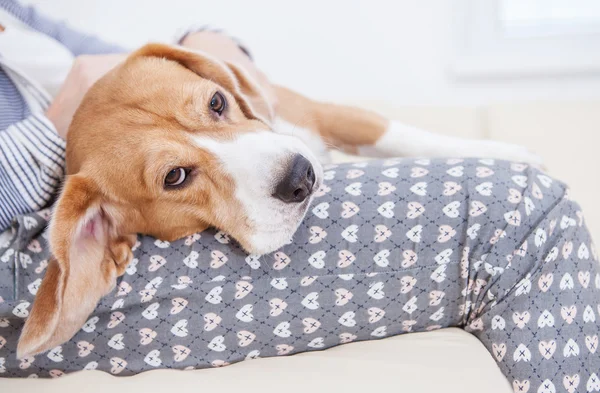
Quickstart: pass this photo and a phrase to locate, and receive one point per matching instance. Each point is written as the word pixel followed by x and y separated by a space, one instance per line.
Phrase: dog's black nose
pixel 297 183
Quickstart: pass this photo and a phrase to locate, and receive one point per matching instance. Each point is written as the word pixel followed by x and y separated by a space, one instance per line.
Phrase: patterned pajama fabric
pixel 388 247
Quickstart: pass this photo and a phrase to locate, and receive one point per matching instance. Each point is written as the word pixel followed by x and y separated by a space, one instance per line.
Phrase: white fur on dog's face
pixel 257 161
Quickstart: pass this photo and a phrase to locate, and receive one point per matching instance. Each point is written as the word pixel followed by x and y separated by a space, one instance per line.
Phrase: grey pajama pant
pixel 388 247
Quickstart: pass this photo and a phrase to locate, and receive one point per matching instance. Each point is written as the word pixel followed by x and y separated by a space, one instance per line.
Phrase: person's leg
pixel 387 247
pixel 539 315
pixel 366 263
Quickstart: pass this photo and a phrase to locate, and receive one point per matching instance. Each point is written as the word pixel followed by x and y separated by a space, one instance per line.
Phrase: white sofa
pixel 448 360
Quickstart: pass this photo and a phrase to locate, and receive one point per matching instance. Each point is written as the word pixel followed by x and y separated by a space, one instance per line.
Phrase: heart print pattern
pixel 388 247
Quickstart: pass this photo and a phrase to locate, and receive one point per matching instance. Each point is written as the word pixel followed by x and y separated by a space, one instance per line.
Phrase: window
pixel 506 38
pixel 531 18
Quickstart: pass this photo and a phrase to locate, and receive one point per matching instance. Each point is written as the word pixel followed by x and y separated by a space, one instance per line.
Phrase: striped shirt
pixel 32 154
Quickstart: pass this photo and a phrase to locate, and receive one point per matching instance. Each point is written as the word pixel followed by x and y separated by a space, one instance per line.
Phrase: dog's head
pixel 167 144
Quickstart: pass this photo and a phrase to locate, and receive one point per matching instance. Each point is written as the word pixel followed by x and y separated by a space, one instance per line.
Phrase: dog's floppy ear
pixel 262 102
pixel 87 256
pixel 251 98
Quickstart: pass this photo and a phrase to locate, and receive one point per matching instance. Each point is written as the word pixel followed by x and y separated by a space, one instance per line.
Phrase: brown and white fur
pixel 152 115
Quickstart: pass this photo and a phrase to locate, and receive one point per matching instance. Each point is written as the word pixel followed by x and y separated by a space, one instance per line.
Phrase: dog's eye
pixel 218 103
pixel 176 177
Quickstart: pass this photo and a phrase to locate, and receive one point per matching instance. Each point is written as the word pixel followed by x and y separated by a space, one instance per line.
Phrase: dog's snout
pixel 298 182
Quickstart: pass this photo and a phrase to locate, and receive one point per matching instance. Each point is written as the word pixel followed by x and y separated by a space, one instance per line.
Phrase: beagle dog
pixel 173 141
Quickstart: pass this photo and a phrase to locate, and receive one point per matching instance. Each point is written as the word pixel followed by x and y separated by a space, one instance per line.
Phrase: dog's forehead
pixel 151 69
pixel 125 117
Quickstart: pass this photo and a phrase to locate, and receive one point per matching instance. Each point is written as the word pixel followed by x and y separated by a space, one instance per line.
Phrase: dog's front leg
pixel 358 131
pixel 401 140
pixel 121 252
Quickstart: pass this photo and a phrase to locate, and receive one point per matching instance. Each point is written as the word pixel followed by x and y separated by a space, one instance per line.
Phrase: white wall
pixel 398 51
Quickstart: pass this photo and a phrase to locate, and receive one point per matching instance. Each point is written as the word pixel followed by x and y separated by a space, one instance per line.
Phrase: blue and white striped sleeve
pixel 32 166
pixel 78 43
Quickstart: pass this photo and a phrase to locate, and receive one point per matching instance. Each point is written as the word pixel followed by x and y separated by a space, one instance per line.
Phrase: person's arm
pixel 31 166
pixel 32 150
pixel 78 43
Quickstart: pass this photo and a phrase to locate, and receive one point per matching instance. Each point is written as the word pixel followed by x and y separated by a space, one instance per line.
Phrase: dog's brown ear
pixel 87 256
pixel 251 98
pixel 262 102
